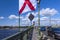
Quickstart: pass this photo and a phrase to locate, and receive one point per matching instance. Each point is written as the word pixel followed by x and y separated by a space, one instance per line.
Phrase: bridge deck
pixel 35 34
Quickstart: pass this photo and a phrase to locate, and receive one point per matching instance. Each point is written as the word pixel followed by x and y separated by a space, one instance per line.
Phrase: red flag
pixel 24 5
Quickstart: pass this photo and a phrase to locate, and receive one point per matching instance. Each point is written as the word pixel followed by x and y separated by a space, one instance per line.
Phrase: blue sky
pixel 9 12
pixel 7 8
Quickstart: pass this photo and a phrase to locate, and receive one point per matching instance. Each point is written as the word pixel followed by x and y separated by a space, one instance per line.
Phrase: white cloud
pixel 35 19
pixel 1 17
pixel 21 17
pixel 21 2
pixel 44 18
pixel 43 21
pixel 13 17
pixel 57 19
pixel 28 15
pixel 24 21
pixel 45 12
pixel 48 12
pixel 35 13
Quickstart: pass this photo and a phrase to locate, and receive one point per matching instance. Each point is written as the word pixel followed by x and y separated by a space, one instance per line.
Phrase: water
pixel 7 32
pixel 56 30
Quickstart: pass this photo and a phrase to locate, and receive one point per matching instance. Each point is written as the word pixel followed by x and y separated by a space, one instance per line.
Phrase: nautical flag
pixel 27 5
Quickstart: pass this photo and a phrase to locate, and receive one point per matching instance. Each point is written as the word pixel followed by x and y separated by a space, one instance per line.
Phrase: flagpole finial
pixel 38 1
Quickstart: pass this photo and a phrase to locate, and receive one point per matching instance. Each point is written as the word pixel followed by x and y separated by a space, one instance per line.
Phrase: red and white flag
pixel 27 5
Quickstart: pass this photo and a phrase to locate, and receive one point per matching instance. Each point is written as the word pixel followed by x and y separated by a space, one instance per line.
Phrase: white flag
pixel 27 6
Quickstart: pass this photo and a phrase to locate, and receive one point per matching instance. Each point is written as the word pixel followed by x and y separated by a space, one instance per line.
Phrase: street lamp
pixel 38 5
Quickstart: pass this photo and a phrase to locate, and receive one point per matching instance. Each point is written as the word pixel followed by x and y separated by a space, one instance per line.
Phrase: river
pixel 8 32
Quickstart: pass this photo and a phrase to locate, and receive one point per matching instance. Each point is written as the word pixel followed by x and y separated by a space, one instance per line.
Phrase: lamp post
pixel 19 23
pixel 38 4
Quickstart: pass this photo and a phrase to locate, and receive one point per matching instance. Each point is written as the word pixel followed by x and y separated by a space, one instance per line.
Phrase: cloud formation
pixel 48 12
pixel 13 17
pixel 1 17
pixel 43 20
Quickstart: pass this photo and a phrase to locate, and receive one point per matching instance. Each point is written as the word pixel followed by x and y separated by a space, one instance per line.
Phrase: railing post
pixel 30 34
pixel 27 35
pixel 21 37
pixel 24 35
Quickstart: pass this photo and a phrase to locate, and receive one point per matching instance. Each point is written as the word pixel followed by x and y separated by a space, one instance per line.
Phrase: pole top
pixel 38 1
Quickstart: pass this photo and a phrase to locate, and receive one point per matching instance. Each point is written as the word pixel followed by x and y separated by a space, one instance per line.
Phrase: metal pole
pixel 19 22
pixel 30 24
pixel 38 4
pixel 50 20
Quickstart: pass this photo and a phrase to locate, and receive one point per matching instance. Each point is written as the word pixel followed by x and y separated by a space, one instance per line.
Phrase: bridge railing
pixel 24 35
